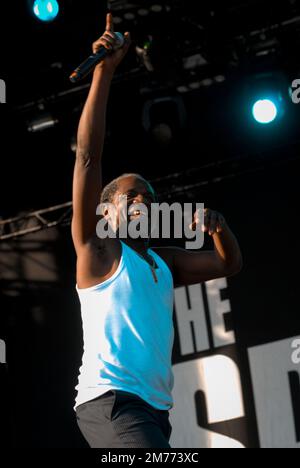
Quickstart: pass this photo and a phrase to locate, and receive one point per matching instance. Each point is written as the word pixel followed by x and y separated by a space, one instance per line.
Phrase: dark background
pixel 217 155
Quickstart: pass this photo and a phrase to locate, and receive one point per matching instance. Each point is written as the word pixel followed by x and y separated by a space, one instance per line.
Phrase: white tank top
pixel 128 332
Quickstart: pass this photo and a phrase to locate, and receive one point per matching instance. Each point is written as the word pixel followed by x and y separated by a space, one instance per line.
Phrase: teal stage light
pixel 46 10
pixel 265 111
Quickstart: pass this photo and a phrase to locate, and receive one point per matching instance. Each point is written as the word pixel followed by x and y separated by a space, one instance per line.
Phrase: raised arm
pixel 87 178
pixel 190 267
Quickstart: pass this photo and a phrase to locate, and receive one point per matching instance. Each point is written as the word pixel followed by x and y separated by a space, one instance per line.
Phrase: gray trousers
pixel 119 419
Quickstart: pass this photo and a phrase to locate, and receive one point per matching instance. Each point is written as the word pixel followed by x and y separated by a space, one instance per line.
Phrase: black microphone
pixel 90 63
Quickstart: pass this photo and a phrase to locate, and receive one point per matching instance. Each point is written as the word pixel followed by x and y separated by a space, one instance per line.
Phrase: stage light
pixel 46 10
pixel 143 12
pixel 42 122
pixel 129 16
pixel 157 8
pixel 265 111
pixel 117 20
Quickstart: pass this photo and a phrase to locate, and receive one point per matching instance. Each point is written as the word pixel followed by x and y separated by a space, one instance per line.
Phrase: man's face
pixel 137 191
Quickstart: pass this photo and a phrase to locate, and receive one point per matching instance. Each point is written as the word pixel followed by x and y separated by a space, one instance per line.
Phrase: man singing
pixel 126 289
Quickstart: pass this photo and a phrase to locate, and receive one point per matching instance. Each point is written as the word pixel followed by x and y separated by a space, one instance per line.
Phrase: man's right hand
pixel 109 41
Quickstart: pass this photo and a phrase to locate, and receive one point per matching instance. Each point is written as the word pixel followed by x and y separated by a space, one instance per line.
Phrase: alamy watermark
pixel 2 92
pixel 296 91
pixel 2 352
pixel 155 221
pixel 296 352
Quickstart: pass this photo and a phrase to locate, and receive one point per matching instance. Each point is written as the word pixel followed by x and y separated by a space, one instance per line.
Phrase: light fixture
pixel 265 111
pixel 46 10
pixel 41 123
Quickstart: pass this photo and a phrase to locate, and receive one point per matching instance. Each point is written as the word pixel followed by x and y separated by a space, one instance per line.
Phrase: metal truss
pixel 35 221
pixel 167 187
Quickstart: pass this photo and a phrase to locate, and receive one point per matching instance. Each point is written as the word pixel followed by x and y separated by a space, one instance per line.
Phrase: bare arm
pixel 87 179
pixel 225 260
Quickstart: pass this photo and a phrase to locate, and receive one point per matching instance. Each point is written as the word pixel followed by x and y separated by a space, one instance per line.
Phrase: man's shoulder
pixel 97 261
